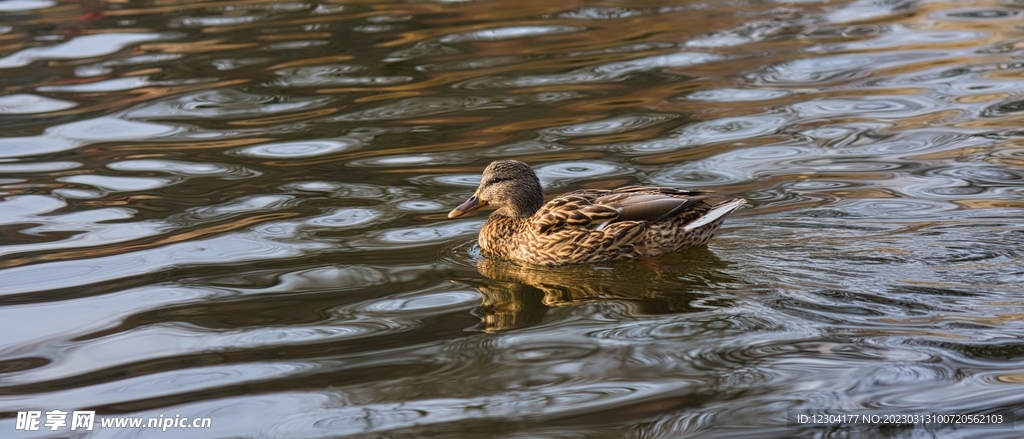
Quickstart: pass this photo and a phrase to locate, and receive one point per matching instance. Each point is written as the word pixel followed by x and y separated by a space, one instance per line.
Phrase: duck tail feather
pixel 715 213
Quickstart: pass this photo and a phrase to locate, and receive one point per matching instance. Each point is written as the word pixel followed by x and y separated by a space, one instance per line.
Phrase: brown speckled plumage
pixel 589 225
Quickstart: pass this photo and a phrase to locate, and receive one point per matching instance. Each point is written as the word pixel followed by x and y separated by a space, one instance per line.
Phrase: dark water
pixel 236 210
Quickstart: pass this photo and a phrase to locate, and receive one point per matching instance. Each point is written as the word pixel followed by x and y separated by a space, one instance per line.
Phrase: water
pixel 236 210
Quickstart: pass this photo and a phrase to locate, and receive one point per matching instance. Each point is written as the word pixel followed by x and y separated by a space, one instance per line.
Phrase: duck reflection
pixel 519 296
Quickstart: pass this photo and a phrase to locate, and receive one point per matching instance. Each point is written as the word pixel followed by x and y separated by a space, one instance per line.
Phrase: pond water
pixel 237 211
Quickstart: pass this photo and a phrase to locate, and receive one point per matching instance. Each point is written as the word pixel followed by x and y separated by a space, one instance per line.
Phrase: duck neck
pixel 524 205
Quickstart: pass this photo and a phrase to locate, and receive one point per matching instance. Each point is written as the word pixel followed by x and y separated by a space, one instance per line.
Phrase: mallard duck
pixel 589 225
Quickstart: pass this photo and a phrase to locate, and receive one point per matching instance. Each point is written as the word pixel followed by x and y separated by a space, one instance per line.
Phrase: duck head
pixel 509 185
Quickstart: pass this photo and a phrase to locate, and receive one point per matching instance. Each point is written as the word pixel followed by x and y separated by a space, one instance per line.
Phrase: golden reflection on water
pixel 518 296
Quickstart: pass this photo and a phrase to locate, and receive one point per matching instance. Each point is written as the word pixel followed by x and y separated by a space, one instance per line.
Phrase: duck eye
pixel 495 180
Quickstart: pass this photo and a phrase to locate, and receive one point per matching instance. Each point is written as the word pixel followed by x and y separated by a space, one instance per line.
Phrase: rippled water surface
pixel 237 210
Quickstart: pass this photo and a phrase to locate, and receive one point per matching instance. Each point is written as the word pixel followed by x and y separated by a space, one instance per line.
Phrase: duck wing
pixel 595 209
pixel 575 209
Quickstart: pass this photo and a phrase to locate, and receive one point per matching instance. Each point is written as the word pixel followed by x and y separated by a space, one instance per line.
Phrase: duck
pixel 588 225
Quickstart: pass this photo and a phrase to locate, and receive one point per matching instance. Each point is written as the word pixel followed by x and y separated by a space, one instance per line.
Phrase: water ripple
pixel 347 218
pixel 475 63
pixel 728 129
pixel 223 103
pixel 609 72
pixel 188 169
pixel 977 14
pixel 75 134
pixel 29 104
pixel 387 417
pixel 736 95
pixel 419 303
pixel 227 208
pixel 750 32
pixel 86 46
pixel 300 149
pixel 25 5
pixel 601 13
pixel 1004 109
pixel 866 10
pixel 889 107
pixel 37 167
pixel 119 184
pixel 556 175
pixel 899 36
pixel 834 68
pixel 419 107
pixel 508 33
pixel 460 180
pixel 117 84
pixel 340 189
pixel 332 75
pixel 614 125
pixel 885 208
pixel 424 235
pixel 217 250
pixel 201 22
pixel 169 383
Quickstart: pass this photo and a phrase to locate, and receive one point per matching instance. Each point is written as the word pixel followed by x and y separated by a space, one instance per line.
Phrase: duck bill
pixel 473 203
